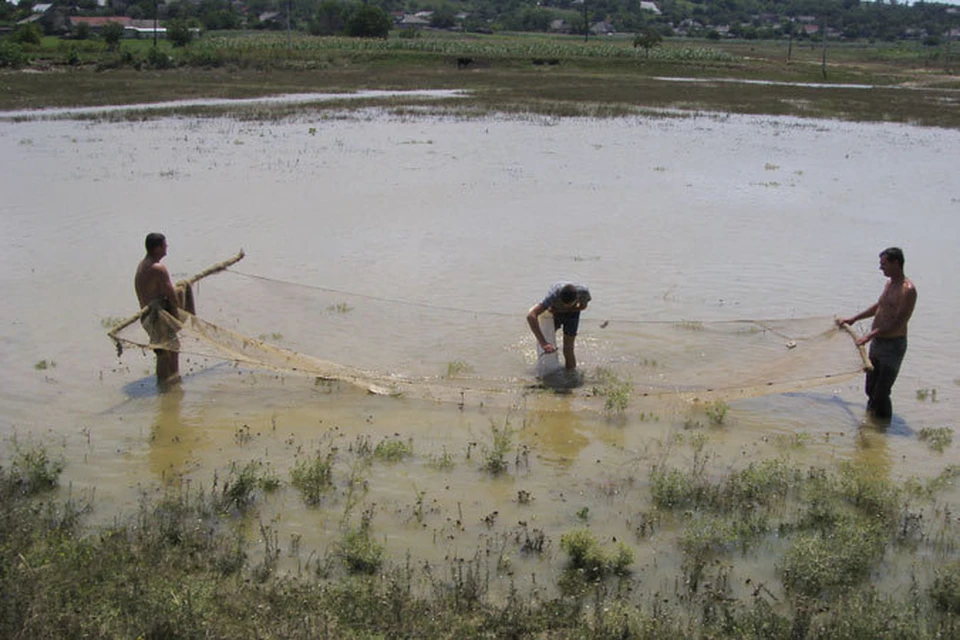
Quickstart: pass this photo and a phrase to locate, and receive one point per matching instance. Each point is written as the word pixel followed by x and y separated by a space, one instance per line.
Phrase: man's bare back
pixel 152 282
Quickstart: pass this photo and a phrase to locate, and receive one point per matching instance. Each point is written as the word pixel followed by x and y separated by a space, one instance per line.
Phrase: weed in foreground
pixel 586 554
pixel 181 569
pixel 340 307
pixel 313 476
pixel 457 368
pixel 937 438
pixel 239 489
pixel 358 549
pixel 614 391
pixel 32 469
pixel 717 412
pixel 393 450
pixel 501 443
pixel 442 461
pixel 822 564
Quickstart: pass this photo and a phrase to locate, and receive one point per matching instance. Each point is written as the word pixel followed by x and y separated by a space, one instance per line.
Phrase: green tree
pixel 26 34
pixel 11 55
pixel 368 21
pixel 443 18
pixel 111 33
pixel 179 33
pixel 647 38
pixel 329 18
pixel 81 31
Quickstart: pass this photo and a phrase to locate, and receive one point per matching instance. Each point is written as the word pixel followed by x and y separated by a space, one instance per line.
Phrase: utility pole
pixel 156 18
pixel 823 40
pixel 288 25
pixel 586 23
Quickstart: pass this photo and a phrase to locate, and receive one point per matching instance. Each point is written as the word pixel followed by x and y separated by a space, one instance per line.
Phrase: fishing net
pixel 406 347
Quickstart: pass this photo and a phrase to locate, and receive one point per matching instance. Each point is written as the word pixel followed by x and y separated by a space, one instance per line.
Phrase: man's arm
pixel 533 319
pixel 167 288
pixel 869 312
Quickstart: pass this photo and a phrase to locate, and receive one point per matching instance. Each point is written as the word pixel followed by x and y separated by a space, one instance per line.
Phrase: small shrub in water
pixel 717 412
pixel 313 476
pixel 586 554
pixel 393 450
pixel 359 551
pixel 242 482
pixel 457 367
pixel 614 391
pixel 495 456
pixel 937 438
pixel 32 470
pixel 819 563
pixel 443 461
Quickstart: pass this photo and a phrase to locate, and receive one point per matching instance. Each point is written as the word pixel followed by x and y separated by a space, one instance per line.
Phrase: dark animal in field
pixel 463 63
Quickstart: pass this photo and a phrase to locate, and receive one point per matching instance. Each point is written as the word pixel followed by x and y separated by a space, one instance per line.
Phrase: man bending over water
pixel 888 334
pixel 155 291
pixel 565 301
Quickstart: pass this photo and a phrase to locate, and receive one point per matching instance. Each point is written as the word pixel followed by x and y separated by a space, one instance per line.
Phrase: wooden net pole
pixel 867 366
pixel 220 266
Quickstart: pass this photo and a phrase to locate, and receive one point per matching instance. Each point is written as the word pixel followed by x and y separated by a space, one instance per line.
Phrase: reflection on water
pixel 694 219
pixel 174 441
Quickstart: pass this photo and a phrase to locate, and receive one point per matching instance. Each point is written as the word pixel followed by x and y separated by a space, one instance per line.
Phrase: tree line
pixel 748 19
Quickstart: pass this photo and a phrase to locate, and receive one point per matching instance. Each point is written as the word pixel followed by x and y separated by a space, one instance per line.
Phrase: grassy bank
pixel 197 563
pixel 523 73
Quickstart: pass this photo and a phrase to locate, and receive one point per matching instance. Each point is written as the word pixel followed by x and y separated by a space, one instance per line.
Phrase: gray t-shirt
pixel 553 295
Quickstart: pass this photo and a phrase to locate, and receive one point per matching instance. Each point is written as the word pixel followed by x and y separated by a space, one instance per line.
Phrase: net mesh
pixel 404 347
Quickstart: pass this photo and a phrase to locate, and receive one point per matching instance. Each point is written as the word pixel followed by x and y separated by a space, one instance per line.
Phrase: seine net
pixel 407 347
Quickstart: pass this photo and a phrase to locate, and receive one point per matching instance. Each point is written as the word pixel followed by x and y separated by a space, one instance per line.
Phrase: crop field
pixel 509 73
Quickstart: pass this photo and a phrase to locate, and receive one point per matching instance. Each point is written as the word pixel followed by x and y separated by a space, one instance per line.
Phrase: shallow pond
pixel 702 218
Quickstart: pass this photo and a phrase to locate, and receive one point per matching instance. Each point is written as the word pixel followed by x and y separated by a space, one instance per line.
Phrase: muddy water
pixel 705 218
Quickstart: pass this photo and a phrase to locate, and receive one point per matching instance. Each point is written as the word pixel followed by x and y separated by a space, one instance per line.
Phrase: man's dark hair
pixel 894 254
pixel 568 294
pixel 154 240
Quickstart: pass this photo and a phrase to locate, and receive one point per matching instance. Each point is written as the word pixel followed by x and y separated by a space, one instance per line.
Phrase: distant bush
pixel 158 59
pixel 27 34
pixel 12 54
pixel 368 21
pixel 179 33
pixel 82 31
pixel 112 32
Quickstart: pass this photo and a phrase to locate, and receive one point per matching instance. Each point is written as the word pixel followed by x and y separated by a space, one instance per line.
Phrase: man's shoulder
pixel 158 268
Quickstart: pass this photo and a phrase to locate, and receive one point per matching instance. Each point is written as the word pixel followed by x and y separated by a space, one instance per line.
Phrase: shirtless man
pixel 155 291
pixel 888 333
pixel 565 301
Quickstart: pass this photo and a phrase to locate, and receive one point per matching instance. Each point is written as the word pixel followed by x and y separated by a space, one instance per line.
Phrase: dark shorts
pixel 569 321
